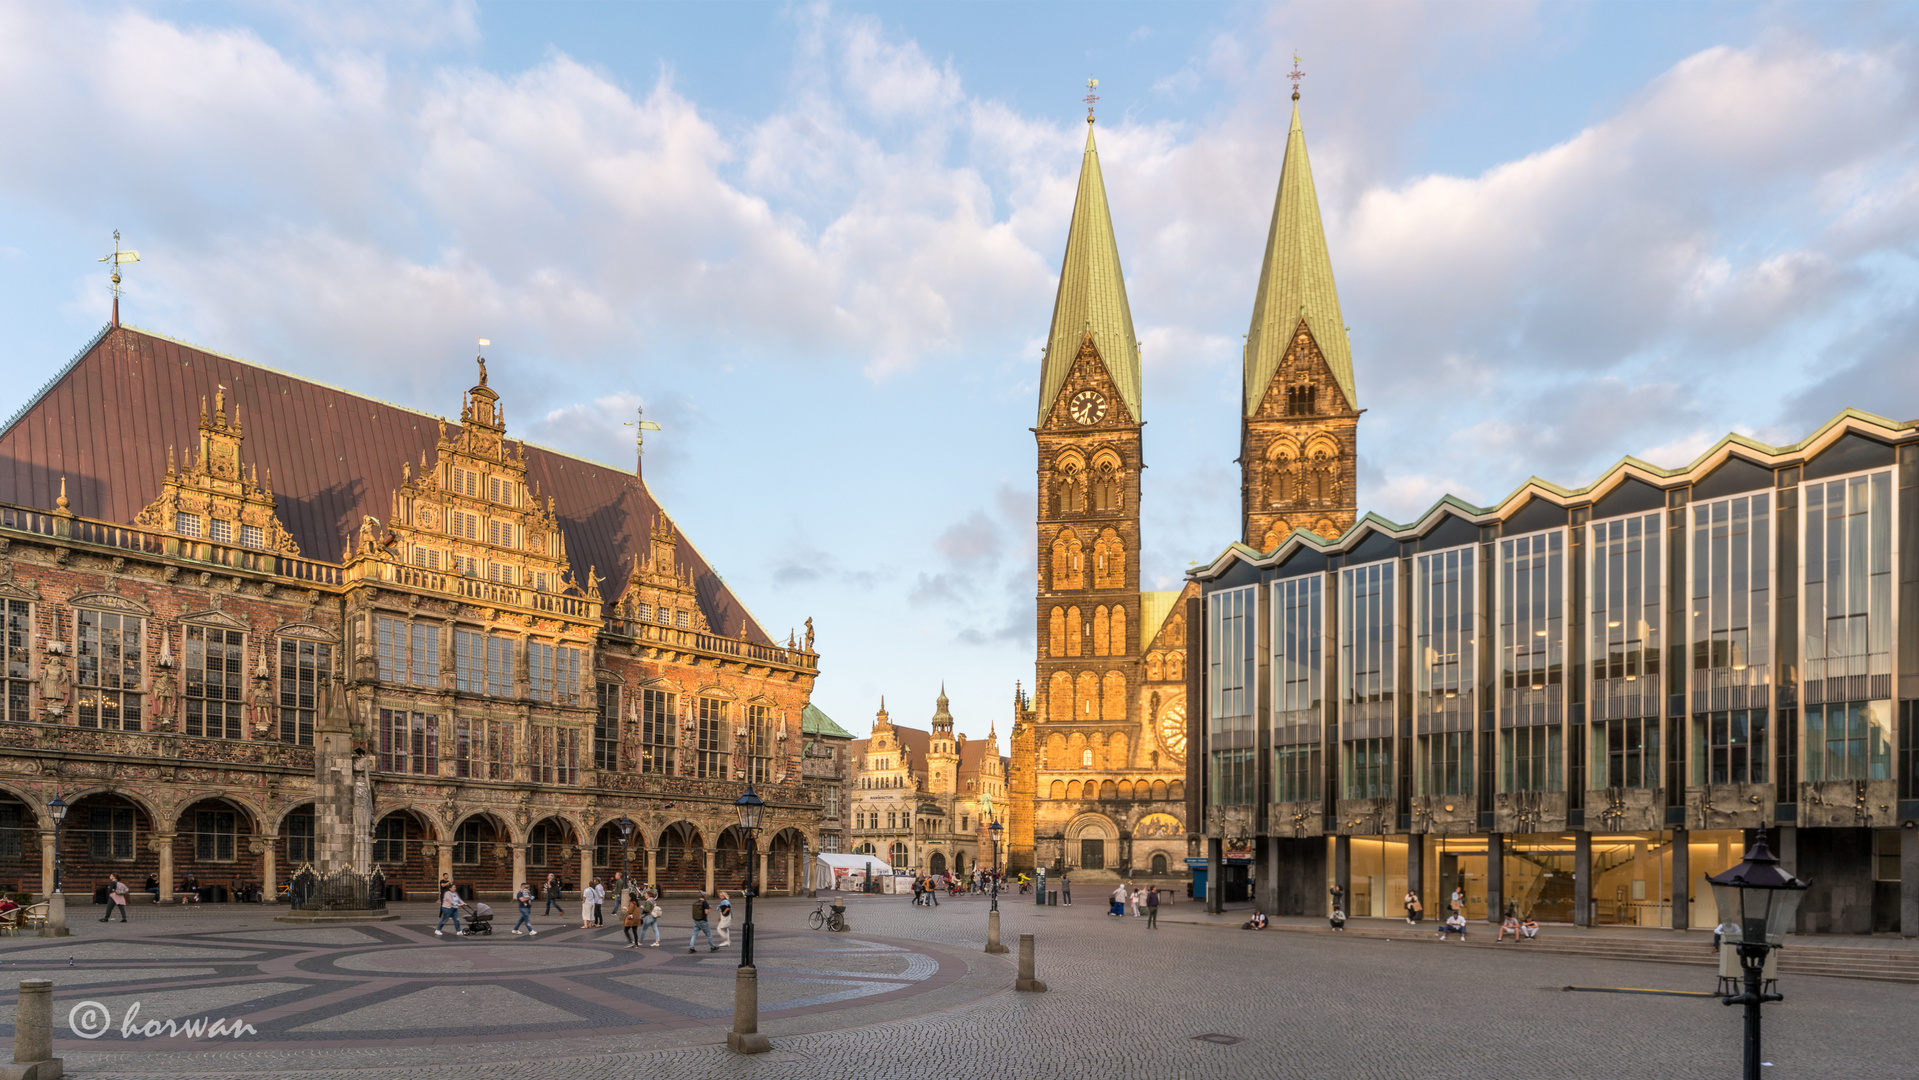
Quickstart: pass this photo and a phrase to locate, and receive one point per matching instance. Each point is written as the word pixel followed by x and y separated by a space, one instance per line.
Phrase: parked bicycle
pixel 828 918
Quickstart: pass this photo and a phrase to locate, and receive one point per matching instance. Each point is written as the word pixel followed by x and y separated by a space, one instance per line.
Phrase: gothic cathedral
pixel 1099 749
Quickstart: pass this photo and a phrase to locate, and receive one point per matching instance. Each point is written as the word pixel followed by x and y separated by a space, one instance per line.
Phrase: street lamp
pixel 995 830
pixel 626 846
pixel 745 1038
pixel 1761 900
pixel 57 807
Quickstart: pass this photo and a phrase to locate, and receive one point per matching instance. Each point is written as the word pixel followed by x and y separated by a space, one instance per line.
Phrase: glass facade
pixel 1532 648
pixel 1445 625
pixel 1731 613
pixel 1368 671
pixel 1625 588
pixel 1298 632
pixel 1231 690
pixel 1847 616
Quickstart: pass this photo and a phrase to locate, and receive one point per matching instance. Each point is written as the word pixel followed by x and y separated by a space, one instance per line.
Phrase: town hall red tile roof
pixel 106 421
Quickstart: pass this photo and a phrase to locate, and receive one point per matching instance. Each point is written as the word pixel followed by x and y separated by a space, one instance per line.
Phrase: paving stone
pixel 447 1007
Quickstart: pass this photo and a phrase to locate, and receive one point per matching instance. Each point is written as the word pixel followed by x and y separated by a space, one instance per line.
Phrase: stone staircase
pixel 1801 955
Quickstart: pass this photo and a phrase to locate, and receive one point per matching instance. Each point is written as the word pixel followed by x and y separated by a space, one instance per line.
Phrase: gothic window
pixel 555 754
pixel 214 691
pixel 1086 697
pixel 1075 631
pixel 1068 562
pixel 712 739
pixel 1153 668
pixel 1106 497
pixel 110 668
pixel 1072 490
pixel 408 652
pixel 19 630
pixel 759 744
pixel 409 742
pixel 1056 633
pixel 1102 641
pixel 606 727
pixel 1175 666
pixel 1109 561
pixel 304 667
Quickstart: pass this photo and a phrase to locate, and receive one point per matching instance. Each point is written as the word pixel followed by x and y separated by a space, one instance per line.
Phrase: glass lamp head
pixel 1757 897
pixel 626 827
pixel 750 806
pixel 57 807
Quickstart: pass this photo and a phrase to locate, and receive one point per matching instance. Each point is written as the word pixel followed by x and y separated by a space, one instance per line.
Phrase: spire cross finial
pixel 1295 75
pixel 1092 85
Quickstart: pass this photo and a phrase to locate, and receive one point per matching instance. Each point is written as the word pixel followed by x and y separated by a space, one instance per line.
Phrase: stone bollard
pixel 992 933
pixel 745 1038
pixel 1026 981
pixel 56 925
pixel 33 1034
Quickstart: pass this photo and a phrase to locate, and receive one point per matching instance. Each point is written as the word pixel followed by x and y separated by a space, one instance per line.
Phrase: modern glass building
pixel 1579 702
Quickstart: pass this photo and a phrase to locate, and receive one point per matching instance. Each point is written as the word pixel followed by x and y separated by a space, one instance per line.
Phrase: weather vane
pixel 640 425
pixel 1295 75
pixel 1092 85
pixel 118 257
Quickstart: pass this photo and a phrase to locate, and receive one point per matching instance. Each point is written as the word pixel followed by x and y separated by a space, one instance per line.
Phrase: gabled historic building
pixel 202 561
pixel 1098 753
pixel 923 800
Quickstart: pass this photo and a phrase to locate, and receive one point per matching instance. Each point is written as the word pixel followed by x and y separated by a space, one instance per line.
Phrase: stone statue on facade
pixel 809 633
pixel 55 684
pixel 163 705
pixel 260 700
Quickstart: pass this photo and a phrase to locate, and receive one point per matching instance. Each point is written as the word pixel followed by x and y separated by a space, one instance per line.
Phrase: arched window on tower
pixel 1119 643
pixel 1074 630
pixel 1072 490
pixel 1175 666
pixel 1056 633
pixel 1153 668
pixel 1113 691
pixel 1300 400
pixel 1101 638
pixel 1059 697
pixel 1106 497
pixel 1086 696
pixel 1109 561
pixel 1069 558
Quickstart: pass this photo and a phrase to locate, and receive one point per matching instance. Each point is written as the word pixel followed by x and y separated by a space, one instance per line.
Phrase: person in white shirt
pixel 450 909
pixel 589 899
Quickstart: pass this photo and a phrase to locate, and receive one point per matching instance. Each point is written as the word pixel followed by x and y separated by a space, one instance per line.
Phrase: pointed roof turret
pixel 1296 282
pixel 1092 296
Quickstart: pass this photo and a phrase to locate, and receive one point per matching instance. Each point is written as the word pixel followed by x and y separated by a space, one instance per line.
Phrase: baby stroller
pixel 479 919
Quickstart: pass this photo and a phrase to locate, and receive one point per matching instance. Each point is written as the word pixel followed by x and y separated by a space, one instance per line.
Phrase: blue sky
pixel 819 243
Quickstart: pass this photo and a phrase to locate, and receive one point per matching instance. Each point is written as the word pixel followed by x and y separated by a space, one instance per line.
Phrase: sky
pixel 819 243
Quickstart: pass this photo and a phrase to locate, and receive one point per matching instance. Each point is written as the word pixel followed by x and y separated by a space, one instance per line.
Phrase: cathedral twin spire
pixel 1092 297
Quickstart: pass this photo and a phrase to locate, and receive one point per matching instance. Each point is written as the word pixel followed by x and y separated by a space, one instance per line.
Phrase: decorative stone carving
pixel 55 684
pixel 214 487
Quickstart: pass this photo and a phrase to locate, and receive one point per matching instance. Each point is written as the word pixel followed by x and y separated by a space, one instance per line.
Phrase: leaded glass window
pixel 409 742
pixel 712 739
pixel 110 667
pixel 408 652
pixel 658 711
pixel 19 630
pixel 606 727
pixel 214 693
pixel 304 669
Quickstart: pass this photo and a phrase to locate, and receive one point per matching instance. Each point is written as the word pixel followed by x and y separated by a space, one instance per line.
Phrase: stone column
pixel 712 866
pixel 1416 866
pixel 166 866
pixel 1343 870
pixel 270 868
pixel 586 866
pixel 1215 865
pixel 1681 880
pixel 1495 876
pixel 519 868
pixel 760 879
pixel 1582 877
pixel 446 860
pixel 46 863
pixel 1908 879
pixel 653 867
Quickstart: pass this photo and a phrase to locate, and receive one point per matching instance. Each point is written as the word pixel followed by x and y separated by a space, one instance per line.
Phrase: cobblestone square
pixel 909 990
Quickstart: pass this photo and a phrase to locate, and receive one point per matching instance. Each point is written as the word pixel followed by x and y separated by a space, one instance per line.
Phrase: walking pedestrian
pixel 116 898
pixel 587 894
pixel 700 926
pixel 726 920
pixel 1065 890
pixel 933 891
pixel 551 890
pixel 649 919
pixel 631 921
pixel 919 888
pixel 599 901
pixel 449 909
pixel 1118 901
pixel 524 897
pixel 1413 908
pixel 1152 908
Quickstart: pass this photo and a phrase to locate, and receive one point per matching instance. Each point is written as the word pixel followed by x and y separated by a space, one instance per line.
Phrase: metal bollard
pixel 1026 982
pixel 745 1038
pixel 992 933
pixel 33 1034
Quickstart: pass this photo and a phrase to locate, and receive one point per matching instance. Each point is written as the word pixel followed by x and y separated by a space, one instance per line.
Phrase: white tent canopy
pixel 834 867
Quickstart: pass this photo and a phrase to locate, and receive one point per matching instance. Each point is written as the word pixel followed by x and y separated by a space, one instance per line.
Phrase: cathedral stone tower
pixel 1299 429
pixel 1088 525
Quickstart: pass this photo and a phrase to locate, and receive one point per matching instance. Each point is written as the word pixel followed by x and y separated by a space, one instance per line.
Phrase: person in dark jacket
pixel 701 926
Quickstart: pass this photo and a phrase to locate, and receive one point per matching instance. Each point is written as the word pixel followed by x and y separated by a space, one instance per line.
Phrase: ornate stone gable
pixel 1298 451
pixel 659 588
pixel 470 514
pixel 216 497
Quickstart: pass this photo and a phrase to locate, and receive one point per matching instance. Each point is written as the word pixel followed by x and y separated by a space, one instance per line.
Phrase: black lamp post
pixel 1761 899
pixel 57 807
pixel 750 806
pixel 626 847
pixel 995 830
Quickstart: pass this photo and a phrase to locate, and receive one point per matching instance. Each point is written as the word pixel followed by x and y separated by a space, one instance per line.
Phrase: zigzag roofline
pixel 1847 421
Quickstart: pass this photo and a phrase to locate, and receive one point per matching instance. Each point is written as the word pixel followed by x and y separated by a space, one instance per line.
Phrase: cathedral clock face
pixel 1172 728
pixel 1087 407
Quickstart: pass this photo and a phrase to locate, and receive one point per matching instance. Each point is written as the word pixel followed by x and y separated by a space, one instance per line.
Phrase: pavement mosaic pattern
pixel 1125 1002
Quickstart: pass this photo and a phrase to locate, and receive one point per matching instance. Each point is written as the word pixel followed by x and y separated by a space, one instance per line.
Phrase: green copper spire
pixel 1092 297
pixel 1296 282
